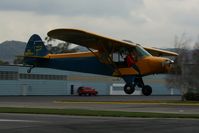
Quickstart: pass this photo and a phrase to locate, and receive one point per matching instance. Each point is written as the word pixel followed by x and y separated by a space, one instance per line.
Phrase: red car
pixel 86 91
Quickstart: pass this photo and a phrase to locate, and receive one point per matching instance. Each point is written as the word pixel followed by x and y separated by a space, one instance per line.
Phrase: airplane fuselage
pixel 87 62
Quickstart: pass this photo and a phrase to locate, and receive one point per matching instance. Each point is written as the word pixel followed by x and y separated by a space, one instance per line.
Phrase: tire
pixel 129 88
pixel 146 90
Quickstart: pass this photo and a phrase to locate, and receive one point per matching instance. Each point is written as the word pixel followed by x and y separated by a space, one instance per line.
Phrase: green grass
pixel 81 112
pixel 166 102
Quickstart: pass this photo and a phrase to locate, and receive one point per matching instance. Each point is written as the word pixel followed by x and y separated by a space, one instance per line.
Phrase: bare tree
pixel 49 39
pixel 195 70
pixel 61 47
pixel 196 52
pixel 178 77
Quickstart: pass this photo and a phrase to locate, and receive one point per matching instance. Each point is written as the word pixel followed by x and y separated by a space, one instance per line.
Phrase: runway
pixel 20 123
pixel 34 123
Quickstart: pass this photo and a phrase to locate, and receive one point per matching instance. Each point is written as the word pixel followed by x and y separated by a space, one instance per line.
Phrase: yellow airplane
pixel 106 56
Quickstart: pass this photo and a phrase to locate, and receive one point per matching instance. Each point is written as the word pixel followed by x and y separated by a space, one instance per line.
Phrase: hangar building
pixel 15 81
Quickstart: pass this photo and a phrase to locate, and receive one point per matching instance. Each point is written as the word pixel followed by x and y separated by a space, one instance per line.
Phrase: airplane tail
pixel 34 50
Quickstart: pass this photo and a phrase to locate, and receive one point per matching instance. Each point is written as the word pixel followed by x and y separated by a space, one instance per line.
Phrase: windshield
pixel 141 51
pixel 137 52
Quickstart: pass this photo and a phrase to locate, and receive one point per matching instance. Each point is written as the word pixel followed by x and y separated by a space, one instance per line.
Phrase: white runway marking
pixel 10 120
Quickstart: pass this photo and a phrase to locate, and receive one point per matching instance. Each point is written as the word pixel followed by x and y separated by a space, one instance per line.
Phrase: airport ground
pixel 23 123
pixel 14 123
pixel 113 103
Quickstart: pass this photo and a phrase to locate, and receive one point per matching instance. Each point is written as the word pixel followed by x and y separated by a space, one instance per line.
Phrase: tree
pixel 185 73
pixel 196 52
pixel 194 69
pixel 4 62
pixel 179 77
pixel 61 47
pixel 18 60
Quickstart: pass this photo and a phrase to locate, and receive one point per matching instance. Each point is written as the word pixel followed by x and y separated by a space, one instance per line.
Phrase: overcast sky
pixel 149 22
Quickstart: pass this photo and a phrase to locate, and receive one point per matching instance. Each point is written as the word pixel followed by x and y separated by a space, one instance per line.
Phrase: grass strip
pixel 82 112
pixel 163 102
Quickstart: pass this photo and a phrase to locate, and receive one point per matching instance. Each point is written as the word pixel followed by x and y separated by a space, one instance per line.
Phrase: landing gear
pixel 129 88
pixel 30 69
pixel 146 90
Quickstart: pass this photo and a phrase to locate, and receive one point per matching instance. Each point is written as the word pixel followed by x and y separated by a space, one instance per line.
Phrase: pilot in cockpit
pixel 131 59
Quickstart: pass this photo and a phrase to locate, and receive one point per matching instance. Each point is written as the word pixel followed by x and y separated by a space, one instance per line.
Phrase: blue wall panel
pixel 9 87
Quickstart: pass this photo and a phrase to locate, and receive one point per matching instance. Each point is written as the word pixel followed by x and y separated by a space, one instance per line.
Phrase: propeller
pixel 168 64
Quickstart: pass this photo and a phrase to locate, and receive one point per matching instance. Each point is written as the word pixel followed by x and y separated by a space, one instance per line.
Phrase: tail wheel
pixel 146 90
pixel 129 88
pixel 29 71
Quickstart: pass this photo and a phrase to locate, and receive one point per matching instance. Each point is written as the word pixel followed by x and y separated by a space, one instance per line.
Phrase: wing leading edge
pixel 97 42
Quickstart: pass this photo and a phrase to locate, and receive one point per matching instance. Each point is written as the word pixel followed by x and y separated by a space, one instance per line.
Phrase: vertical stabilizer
pixel 35 47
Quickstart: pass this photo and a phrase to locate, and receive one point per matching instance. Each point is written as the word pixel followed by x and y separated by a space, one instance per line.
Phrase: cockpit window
pixel 141 51
pixel 121 54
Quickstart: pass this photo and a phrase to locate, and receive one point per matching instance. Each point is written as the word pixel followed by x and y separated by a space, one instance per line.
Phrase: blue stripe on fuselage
pixel 81 64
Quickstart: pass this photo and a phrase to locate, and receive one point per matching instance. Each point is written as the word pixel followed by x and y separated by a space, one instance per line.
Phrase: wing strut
pixel 105 56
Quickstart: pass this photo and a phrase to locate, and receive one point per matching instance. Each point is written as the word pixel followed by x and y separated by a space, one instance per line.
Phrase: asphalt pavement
pixel 35 123
pixel 21 123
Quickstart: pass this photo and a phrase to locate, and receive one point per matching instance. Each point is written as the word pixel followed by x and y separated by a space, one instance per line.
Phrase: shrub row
pixel 192 96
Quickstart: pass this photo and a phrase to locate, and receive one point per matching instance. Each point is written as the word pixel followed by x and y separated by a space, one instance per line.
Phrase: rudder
pixel 35 50
pixel 35 47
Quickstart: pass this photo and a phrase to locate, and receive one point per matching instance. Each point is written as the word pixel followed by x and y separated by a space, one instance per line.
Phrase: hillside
pixel 10 49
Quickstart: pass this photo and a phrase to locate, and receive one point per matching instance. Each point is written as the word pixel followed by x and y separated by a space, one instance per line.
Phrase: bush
pixel 192 96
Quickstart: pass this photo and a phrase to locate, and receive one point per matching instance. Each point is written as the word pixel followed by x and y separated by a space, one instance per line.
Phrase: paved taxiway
pixel 54 102
pixel 20 123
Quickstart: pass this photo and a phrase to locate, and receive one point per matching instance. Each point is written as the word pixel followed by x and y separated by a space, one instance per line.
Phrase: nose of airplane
pixel 168 65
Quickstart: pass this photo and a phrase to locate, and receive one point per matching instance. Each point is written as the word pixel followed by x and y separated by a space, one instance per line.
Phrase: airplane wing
pixel 159 52
pixel 97 42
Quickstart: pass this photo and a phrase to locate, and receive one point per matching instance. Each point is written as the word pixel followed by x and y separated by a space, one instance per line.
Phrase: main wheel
pixel 129 88
pixel 146 90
